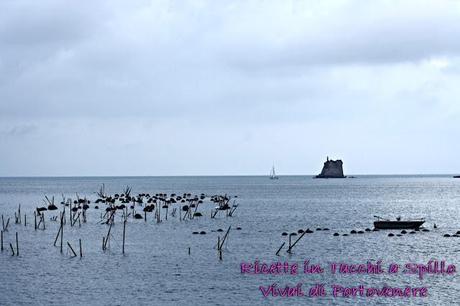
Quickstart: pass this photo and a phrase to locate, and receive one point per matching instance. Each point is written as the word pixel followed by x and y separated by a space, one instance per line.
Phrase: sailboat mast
pixel 273 173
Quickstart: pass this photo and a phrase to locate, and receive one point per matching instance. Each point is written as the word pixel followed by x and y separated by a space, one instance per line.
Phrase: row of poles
pixel 17 217
pixel 74 217
pixel 11 245
pixel 40 225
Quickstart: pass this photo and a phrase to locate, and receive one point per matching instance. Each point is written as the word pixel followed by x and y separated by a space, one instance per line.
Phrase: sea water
pixel 157 268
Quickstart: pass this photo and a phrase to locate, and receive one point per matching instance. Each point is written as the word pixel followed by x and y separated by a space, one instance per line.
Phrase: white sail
pixel 273 173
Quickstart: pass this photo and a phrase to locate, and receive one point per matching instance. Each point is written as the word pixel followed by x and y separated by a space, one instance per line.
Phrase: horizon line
pixel 224 175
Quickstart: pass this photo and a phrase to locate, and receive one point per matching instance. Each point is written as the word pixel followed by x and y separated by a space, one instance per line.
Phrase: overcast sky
pixel 228 87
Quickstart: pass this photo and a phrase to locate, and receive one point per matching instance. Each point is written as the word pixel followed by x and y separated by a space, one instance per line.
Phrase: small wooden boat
pixel 397 224
pixel 456 176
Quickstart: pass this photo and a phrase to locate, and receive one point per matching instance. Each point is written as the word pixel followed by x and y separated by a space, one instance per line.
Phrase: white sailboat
pixel 273 173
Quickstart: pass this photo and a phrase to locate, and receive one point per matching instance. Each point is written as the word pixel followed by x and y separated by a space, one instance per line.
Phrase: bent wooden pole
pixel 295 242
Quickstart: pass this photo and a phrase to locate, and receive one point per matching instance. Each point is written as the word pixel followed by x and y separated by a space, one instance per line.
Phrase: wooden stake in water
pixel 124 230
pixel 12 249
pixel 74 254
pixel 225 237
pixel 62 232
pixel 277 252
pixel 295 242
pixel 108 232
pixel 35 218
pixel 6 226
pixel 57 235
pixel 63 214
pixel 17 242
pixel 2 240
pixel 70 213
pixel 59 231
pixel 81 251
pixel 289 248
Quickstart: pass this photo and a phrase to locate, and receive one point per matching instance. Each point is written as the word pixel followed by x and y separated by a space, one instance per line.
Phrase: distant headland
pixel 332 169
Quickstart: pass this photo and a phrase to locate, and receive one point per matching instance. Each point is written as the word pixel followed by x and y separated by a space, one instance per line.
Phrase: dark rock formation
pixel 332 169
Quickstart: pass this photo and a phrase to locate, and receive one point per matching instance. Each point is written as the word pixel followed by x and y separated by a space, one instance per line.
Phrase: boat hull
pixel 398 224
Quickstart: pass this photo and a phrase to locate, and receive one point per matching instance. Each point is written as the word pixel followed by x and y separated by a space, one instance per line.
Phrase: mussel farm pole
pixel 124 230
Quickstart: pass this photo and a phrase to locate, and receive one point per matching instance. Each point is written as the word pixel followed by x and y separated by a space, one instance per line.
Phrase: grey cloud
pixel 260 80
pixel 406 36
pixel 20 130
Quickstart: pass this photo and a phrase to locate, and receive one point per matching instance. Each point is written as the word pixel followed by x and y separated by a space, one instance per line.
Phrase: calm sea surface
pixel 157 269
